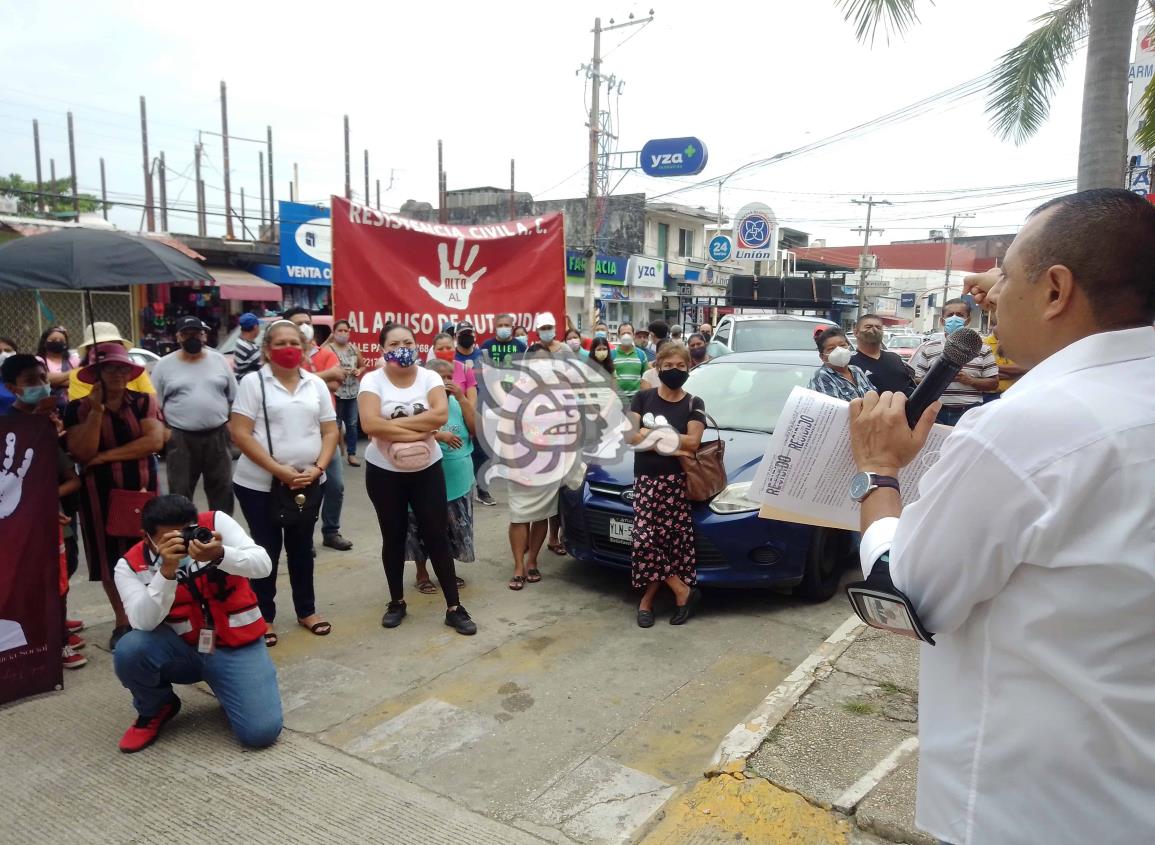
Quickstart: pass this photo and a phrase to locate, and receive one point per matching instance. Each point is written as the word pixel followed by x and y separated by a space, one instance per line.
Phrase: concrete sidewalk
pixel 830 756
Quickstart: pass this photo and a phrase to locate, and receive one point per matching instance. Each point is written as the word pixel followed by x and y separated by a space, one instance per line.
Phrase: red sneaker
pixel 76 641
pixel 71 659
pixel 74 626
pixel 146 729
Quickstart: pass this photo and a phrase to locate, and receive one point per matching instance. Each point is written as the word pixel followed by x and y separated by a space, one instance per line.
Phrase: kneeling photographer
pixel 194 616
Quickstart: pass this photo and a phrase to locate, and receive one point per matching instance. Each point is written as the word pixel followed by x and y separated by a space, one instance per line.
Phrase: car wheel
pixel 824 565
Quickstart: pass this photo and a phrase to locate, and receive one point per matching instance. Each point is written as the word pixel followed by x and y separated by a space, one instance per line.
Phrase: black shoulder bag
pixel 290 507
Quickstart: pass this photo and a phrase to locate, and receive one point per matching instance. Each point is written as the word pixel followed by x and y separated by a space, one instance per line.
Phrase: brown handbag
pixel 124 507
pixel 706 468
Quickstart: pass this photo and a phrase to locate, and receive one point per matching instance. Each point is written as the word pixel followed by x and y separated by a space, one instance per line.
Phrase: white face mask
pixel 626 339
pixel 306 331
pixel 839 356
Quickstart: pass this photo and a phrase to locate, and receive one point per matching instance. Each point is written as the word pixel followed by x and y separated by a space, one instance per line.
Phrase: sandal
pixel 353 462
pixel 557 549
pixel 270 638
pixel 321 629
pixel 426 587
pixel 460 582
pixel 533 575
pixel 517 582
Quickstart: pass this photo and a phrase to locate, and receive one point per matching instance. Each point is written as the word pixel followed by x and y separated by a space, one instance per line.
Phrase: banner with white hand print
pixel 388 268
pixel 30 619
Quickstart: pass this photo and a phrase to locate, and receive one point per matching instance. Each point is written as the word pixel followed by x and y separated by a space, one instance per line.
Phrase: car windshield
pixel 904 342
pixel 747 395
pixel 773 335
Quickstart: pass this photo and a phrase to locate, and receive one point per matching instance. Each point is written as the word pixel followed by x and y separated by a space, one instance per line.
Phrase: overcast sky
pixel 496 80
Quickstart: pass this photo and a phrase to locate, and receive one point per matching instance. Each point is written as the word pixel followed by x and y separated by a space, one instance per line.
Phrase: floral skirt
pixel 459 529
pixel 663 531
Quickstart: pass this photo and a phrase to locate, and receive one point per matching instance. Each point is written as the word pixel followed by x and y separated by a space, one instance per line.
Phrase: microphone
pixel 960 347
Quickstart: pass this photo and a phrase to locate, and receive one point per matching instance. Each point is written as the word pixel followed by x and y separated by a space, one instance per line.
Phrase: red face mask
pixel 444 354
pixel 288 357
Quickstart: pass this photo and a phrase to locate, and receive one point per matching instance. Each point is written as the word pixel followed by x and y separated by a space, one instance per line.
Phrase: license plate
pixel 621 531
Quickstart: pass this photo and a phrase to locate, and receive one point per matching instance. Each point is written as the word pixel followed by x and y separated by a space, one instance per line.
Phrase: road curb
pixel 744 739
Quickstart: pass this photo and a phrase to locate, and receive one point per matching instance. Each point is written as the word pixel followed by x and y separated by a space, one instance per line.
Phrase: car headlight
pixel 733 499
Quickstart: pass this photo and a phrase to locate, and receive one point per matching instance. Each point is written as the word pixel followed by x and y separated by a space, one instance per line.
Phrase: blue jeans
pixel 243 679
pixel 951 414
pixel 334 498
pixel 347 416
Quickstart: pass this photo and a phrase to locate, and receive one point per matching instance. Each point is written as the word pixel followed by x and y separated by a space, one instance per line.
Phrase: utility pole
pixel 225 162
pixel 103 191
pixel 348 183
pixel 272 207
pixel 72 166
pixel 295 188
pixel 864 261
pixel 200 192
pixel 162 178
pixel 594 74
pixel 39 177
pixel 261 171
pixel 949 250
pixel 150 214
pixel 512 195
pixel 378 194
pixel 244 228
pixel 366 177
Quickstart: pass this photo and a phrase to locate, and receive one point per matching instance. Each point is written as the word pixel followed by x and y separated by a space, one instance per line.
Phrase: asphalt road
pixel 561 717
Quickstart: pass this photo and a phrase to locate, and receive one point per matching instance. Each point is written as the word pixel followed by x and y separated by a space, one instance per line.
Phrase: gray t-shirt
pixel 194 395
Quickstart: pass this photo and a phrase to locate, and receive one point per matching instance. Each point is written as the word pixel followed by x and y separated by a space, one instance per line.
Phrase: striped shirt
pixel 833 384
pixel 246 358
pixel 957 395
pixel 628 369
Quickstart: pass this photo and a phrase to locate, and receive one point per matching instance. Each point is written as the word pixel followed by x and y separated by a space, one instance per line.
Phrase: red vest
pixel 232 604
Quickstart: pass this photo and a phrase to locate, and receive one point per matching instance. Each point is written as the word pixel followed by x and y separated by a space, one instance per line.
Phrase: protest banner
pixel 30 617
pixel 388 268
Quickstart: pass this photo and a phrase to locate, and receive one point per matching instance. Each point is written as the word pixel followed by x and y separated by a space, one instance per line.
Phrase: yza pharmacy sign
pixel 673 157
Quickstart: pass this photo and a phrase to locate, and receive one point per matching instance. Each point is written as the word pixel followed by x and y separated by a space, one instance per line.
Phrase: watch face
pixel 860 485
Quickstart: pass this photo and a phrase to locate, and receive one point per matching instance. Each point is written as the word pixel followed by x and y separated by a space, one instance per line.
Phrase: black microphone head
pixel 961 346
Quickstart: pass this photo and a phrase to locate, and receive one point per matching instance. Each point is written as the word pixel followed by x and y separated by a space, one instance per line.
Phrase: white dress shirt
pixel 147 596
pixel 1031 554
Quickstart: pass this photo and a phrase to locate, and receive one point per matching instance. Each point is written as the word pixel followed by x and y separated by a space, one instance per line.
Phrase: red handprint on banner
pixel 455 284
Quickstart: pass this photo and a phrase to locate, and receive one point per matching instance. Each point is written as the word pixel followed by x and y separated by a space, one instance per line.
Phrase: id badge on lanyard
pixel 207 641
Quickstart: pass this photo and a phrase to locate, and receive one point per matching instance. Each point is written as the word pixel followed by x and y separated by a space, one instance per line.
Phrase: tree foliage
pixel 56 196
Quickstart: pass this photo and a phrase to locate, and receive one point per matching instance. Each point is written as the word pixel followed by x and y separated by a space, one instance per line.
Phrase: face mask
pixel 601 354
pixel 954 323
pixel 574 343
pixel 4 356
pixel 288 357
pixel 402 356
pixel 599 333
pixel 56 347
pixel 192 345
pixel 465 340
pixel 698 353
pixel 341 338
pixel 306 331
pixel 35 395
pixel 522 337
pixel 839 356
pixel 547 335
pixel 673 379
pixel 707 335
pixel 443 354
pixel 504 332
pixel 871 334
pixel 626 340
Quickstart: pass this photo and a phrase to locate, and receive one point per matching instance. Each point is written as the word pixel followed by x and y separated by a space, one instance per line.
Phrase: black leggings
pixel 392 495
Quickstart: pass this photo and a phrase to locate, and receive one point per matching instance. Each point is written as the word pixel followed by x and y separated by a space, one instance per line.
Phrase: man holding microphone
pixel 1036 703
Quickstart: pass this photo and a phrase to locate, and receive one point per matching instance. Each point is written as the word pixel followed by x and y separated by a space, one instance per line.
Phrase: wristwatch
pixel 865 483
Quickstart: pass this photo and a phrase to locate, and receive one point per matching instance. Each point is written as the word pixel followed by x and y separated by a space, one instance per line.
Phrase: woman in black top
pixel 669 423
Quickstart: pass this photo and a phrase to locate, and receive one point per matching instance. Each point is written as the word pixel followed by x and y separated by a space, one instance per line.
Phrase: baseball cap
pixel 464 326
pixel 248 321
pixel 545 318
pixel 185 324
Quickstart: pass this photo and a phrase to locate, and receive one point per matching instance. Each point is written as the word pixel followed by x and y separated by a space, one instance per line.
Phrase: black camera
pixel 196 532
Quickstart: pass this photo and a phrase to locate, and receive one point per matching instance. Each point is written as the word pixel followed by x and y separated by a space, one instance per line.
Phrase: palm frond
pixel 894 16
pixel 1028 75
pixel 1145 136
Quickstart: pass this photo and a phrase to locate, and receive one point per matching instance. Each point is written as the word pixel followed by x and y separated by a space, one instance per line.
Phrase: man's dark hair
pixel 293 312
pixel 957 301
pixel 1106 238
pixel 660 329
pixel 16 364
pixel 167 510
pixel 820 339
pixel 624 323
pixel 858 322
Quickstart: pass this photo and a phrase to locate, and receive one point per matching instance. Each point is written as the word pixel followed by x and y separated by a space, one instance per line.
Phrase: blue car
pixel 744 392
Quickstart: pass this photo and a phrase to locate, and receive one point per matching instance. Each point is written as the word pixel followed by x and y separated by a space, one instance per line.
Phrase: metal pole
pixel 512 195
pixel 103 191
pixel 150 215
pixel 348 176
pixel 39 177
pixel 225 157
pixel 949 255
pixel 72 165
pixel 162 179
pixel 52 176
pixel 272 207
pixel 440 184
pixel 261 171
pixel 366 177
pixel 200 196
pixel 244 229
pixel 296 186
pixel 592 191
pixel 378 194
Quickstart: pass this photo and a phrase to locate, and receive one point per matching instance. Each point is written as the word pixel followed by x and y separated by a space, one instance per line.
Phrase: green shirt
pixel 628 369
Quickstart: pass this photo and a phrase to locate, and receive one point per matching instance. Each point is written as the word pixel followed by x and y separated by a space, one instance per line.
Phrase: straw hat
pixel 105 333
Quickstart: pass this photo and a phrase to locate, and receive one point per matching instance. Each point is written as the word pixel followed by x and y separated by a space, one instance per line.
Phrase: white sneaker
pixel 71 658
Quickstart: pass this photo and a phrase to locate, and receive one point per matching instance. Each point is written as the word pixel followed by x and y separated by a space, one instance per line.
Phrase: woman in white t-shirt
pixel 401 405
pixel 303 425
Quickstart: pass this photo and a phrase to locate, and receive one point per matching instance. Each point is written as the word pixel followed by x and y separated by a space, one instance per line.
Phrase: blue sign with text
pixel 306 244
pixel 673 157
pixel 907 299
pixel 607 268
pixel 720 248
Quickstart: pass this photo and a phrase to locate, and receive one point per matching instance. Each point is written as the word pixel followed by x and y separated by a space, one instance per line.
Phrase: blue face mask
pixel 547 335
pixel 954 323
pixel 599 334
pixel 402 356
pixel 32 396
pixel 504 332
